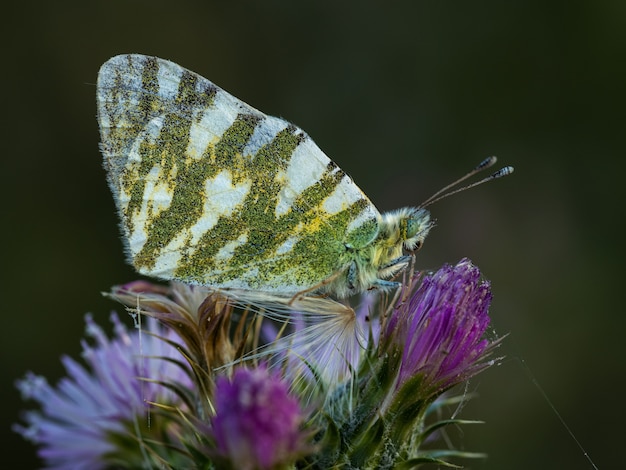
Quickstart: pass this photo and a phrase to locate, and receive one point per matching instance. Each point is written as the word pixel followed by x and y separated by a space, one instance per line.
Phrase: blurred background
pixel 405 96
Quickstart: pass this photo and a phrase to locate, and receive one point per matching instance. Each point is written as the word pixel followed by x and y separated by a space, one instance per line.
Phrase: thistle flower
pixel 370 379
pixel 440 329
pixel 257 422
pixel 91 415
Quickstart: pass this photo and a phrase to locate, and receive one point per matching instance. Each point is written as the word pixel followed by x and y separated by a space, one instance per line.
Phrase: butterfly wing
pixel 213 192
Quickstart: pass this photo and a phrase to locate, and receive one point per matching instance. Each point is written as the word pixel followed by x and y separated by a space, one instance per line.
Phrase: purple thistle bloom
pixel 441 328
pixel 257 423
pixel 89 406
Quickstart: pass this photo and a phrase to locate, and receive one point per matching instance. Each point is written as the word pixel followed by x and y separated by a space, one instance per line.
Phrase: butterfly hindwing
pixel 211 191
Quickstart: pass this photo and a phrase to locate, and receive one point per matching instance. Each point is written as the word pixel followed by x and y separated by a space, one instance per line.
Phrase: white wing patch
pixel 345 194
pixel 200 135
pixel 287 245
pixel 149 134
pixel 168 79
pixel 263 134
pixel 221 199
pixel 306 167
pixel 226 252
pixel 158 197
pixel 215 120
pixel 222 196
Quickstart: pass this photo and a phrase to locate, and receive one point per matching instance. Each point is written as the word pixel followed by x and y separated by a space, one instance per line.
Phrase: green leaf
pixel 445 422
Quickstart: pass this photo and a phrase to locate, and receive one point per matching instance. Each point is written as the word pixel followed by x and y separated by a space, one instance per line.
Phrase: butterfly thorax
pixel 372 265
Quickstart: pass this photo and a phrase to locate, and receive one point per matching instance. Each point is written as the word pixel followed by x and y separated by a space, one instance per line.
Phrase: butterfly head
pixel 414 227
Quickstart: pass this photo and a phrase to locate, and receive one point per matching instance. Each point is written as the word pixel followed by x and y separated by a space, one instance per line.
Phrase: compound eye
pixel 412 226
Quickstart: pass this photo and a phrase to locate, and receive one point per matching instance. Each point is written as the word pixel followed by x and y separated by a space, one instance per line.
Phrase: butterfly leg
pixel 398 263
pixel 351 275
pixel 384 285
pixel 387 270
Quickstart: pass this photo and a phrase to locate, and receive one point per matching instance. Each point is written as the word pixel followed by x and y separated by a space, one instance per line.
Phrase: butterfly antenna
pixel 486 163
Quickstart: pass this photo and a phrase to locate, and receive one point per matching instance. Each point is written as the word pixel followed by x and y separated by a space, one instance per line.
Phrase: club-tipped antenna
pixel 486 163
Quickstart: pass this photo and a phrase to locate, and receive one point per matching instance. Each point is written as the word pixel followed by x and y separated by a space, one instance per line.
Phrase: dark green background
pixel 404 96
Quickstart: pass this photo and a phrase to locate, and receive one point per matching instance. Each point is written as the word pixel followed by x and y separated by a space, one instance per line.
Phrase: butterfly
pixel 213 192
